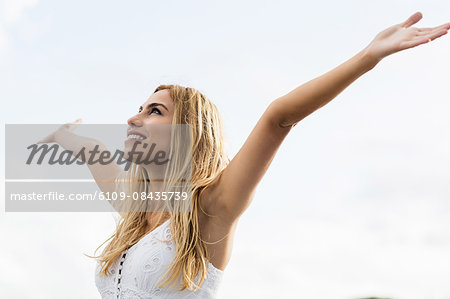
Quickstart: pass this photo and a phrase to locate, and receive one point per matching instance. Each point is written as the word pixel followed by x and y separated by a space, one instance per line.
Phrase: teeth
pixel 133 136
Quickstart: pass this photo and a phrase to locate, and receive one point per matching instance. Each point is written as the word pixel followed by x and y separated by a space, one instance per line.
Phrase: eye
pixel 140 109
pixel 155 109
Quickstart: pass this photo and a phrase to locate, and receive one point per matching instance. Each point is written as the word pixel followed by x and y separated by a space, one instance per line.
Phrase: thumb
pixel 413 19
pixel 71 126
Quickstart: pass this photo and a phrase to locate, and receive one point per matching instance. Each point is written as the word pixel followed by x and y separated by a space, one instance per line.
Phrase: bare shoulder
pixel 231 193
pixel 225 199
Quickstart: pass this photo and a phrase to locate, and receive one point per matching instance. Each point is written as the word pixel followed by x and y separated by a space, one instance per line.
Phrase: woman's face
pixel 148 133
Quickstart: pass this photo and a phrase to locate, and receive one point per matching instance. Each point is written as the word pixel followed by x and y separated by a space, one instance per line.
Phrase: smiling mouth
pixel 135 136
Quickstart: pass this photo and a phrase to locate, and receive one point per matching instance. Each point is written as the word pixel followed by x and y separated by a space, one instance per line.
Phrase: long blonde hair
pixel 208 159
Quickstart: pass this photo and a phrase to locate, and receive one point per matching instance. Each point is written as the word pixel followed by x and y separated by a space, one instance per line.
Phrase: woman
pixel 181 248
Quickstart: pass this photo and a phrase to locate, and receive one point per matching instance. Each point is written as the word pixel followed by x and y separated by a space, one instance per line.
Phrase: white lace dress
pixel 136 274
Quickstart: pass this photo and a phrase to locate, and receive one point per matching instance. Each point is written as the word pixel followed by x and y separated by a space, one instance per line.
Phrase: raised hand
pixel 68 127
pixel 402 36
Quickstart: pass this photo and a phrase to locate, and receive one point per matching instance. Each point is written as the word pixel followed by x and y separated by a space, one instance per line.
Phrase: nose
pixel 134 121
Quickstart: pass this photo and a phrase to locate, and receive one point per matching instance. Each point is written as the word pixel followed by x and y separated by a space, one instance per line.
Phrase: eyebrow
pixel 154 105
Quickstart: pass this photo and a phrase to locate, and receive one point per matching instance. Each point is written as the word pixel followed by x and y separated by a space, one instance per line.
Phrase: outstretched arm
pixel 314 94
pixel 103 174
pixel 233 190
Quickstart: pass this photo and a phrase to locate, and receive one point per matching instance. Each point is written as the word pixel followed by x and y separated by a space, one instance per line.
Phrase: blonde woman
pixel 182 251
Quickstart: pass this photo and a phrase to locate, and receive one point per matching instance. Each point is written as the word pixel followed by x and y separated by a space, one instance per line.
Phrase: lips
pixel 133 134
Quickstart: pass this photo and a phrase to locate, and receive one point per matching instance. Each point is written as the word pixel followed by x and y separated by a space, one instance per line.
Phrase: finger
pixel 434 35
pixel 446 26
pixel 77 121
pixel 72 124
pixel 430 32
pixel 413 19
pixel 443 26
pixel 424 39
pixel 422 31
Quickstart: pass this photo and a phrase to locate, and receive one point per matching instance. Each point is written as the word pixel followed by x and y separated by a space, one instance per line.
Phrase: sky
pixel 356 202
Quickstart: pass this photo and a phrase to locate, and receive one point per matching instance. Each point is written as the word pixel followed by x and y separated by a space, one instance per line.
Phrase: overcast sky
pixel 356 202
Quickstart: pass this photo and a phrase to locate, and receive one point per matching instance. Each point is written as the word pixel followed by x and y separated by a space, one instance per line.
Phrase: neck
pixel 155 219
